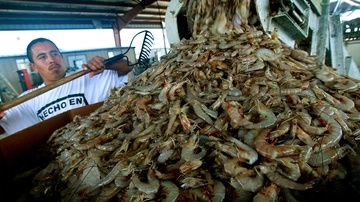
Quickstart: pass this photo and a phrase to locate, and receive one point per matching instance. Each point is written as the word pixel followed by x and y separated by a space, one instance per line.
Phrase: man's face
pixel 47 61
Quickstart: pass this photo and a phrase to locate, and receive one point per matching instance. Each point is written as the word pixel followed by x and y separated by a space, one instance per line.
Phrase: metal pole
pixel 323 30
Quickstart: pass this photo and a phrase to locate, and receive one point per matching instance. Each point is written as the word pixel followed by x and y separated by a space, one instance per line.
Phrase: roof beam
pixel 123 21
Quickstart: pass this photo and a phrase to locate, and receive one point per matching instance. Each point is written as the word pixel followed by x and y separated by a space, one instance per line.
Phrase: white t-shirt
pixel 76 93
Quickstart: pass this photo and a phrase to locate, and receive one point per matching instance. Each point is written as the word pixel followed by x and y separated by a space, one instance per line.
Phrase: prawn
pixel 218 102
pixel 345 103
pixel 275 151
pixel 302 56
pixel 304 137
pixel 163 95
pixel 328 156
pixel 281 130
pixel 313 130
pixel 94 142
pixel 151 186
pixel 219 191
pixel 188 151
pixel 237 117
pixel 173 90
pixel 268 194
pixel 245 152
pixel 199 111
pixel 189 166
pixel 281 180
pixel 174 111
pixel 266 54
pixel 334 135
pixel 116 170
pixel 292 169
pixel 267 117
pixel 250 180
pixel 170 190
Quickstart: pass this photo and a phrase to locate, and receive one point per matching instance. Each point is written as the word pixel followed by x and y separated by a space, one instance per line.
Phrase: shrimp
pixel 292 169
pixel 237 117
pixel 302 56
pixel 281 130
pixel 334 113
pixel 240 194
pixel 151 186
pixel 159 70
pixel 345 103
pixel 188 150
pixel 174 111
pixel 185 122
pixel 170 190
pixel 337 172
pixel 173 90
pixel 272 76
pixel 147 88
pixel 259 64
pixel 122 181
pixel 163 95
pixel 290 91
pixel 250 180
pixel 328 156
pixel 304 137
pixel 108 192
pixel 344 84
pixel 312 130
pixel 116 170
pixel 219 191
pixel 199 112
pixel 189 166
pixel 94 142
pixel 231 166
pixel 267 117
pixel 245 151
pixel 281 180
pixel 324 75
pixel 267 194
pixel 230 150
pixel 334 135
pixel 275 151
pixel 192 182
pixel 213 114
pixel 266 54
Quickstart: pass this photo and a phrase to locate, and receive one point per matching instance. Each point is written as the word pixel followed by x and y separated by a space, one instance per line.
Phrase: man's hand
pixel 96 64
pixel 2 114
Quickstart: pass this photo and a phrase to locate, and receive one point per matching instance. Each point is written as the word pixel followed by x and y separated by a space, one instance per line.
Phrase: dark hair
pixel 33 42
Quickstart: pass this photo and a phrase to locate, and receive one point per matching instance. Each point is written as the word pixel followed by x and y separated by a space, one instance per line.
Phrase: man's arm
pixel 2 114
pixel 97 65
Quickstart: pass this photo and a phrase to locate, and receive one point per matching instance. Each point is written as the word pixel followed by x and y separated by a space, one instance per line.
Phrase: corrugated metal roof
pixel 78 14
pixel 102 14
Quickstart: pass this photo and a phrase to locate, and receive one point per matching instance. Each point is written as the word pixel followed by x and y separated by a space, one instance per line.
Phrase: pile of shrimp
pixel 231 114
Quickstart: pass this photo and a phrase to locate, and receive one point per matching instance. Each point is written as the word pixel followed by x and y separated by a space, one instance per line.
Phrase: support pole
pixel 323 30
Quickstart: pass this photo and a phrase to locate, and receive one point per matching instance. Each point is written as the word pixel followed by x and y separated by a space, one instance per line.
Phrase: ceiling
pixel 81 14
pixel 109 14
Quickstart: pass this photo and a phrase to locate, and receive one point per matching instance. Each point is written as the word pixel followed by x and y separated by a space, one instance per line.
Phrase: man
pixel 45 58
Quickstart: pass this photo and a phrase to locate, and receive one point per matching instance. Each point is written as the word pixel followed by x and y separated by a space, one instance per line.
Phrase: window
pixel 114 53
